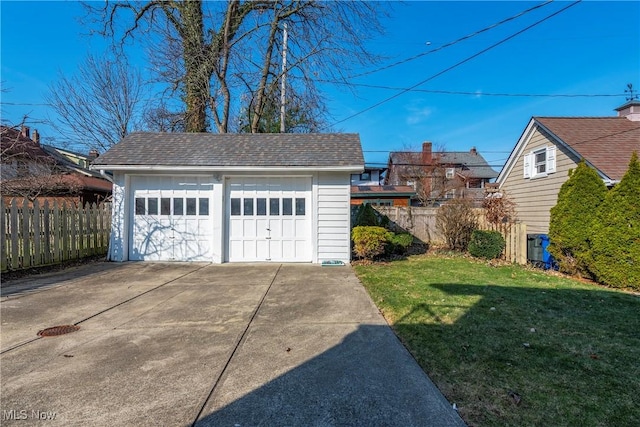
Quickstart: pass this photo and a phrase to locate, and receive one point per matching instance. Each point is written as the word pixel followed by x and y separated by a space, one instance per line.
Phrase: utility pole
pixel 283 97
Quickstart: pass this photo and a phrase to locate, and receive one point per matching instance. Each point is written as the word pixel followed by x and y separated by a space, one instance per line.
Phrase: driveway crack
pixel 235 349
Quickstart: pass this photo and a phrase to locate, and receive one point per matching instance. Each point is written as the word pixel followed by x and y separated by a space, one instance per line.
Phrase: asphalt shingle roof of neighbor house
pixel 239 150
pixel 476 164
pixel 605 142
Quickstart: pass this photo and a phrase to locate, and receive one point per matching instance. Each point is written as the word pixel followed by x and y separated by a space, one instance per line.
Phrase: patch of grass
pixel 514 346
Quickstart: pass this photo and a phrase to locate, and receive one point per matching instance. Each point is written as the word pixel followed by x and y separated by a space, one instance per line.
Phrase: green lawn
pixel 490 336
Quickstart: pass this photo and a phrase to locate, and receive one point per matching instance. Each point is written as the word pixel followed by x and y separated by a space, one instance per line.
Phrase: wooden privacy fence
pixel 43 233
pixel 421 222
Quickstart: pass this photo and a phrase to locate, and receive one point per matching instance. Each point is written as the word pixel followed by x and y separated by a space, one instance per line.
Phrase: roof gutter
pixel 165 168
pixel 107 177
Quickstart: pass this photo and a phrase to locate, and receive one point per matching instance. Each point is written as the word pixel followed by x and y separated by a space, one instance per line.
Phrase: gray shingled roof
pixel 476 164
pixel 240 150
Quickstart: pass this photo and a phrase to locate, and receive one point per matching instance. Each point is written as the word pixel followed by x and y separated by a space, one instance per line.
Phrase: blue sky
pixel 592 48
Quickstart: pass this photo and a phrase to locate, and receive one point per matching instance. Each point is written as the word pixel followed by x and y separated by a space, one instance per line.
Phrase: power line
pixel 451 92
pixel 459 63
pixel 468 36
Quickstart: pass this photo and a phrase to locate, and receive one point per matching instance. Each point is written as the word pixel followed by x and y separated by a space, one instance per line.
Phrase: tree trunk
pixel 196 64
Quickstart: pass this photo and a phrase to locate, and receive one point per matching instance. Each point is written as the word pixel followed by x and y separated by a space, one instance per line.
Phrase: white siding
pixel 333 217
pixel 534 197
pixel 119 225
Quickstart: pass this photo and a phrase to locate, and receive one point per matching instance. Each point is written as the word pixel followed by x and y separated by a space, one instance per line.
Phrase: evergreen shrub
pixel 370 242
pixel 486 244
pixel 400 243
pixel 366 216
pixel 572 219
pixel 614 258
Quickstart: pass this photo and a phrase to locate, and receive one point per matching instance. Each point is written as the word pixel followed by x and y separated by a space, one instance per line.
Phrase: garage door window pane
pixel 191 205
pixel 178 206
pixel 300 206
pixel 203 207
pixel 235 206
pixel 153 206
pixel 140 206
pixel 165 206
pixel 248 206
pixel 262 206
pixel 274 206
pixel 287 206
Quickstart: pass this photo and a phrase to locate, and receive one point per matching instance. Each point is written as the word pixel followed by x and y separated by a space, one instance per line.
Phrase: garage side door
pixel 269 219
pixel 171 219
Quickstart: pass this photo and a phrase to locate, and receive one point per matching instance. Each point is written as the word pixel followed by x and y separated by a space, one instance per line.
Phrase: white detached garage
pixel 232 197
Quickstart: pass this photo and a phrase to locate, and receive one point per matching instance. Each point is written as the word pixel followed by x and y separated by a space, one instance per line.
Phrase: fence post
pixel 14 230
pixel 37 236
pixel 522 244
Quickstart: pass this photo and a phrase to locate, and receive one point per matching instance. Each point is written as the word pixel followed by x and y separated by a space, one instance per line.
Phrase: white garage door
pixel 269 219
pixel 171 218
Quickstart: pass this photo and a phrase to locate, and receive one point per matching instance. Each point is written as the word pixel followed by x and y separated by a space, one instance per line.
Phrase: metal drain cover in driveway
pixel 58 330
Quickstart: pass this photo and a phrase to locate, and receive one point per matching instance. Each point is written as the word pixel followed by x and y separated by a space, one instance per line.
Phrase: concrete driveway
pixel 181 344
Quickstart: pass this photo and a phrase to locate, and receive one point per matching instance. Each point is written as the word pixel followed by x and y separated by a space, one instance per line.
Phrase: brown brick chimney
pixel 427 156
pixel 473 151
pixel 25 131
pixel 36 136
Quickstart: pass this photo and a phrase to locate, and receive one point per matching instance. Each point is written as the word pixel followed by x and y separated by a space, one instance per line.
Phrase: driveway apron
pixel 183 344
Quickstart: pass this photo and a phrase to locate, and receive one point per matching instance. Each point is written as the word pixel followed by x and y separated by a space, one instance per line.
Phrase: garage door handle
pixel 268 238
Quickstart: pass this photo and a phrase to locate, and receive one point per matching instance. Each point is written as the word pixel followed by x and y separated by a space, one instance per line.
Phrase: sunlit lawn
pixel 515 346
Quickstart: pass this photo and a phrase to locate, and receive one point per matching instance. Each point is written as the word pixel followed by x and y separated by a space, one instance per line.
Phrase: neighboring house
pixel 370 176
pixel 367 187
pixel 550 146
pixel 43 172
pixel 232 197
pixel 440 176
pixel 382 195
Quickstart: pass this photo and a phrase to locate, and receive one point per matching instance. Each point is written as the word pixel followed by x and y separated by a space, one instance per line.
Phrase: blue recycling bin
pixel 537 252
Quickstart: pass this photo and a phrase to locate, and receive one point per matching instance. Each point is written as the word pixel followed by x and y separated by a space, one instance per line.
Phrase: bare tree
pixel 428 173
pixel 100 104
pixel 161 118
pixel 210 52
pixel 28 171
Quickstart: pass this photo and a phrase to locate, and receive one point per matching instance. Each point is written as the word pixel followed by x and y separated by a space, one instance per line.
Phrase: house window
pixel 235 206
pixel 178 206
pixel 274 206
pixel 152 205
pixel 261 206
pixel 287 206
pixel 191 206
pixel 451 194
pixel 203 206
pixel 366 176
pixel 141 207
pixel 540 162
pixel 165 206
pixel 378 202
pixel 450 173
